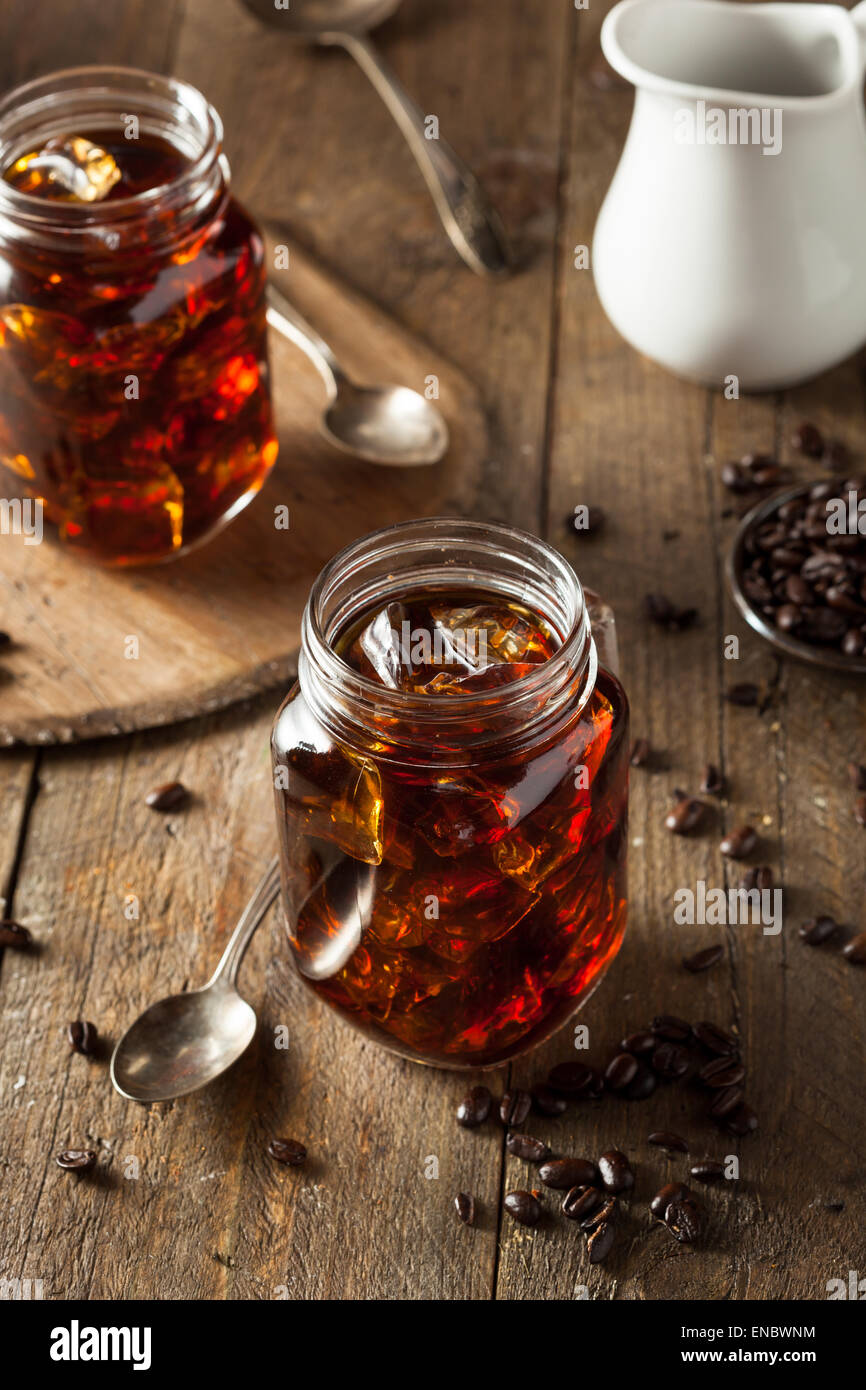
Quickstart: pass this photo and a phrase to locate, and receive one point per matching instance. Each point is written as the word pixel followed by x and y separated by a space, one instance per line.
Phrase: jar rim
pixel 44 96
pixel 571 663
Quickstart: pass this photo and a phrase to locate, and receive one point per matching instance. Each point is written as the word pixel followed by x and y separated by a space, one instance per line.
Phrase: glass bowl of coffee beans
pixel 797 572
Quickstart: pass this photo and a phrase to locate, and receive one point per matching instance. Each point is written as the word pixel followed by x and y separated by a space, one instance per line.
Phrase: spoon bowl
pixel 390 425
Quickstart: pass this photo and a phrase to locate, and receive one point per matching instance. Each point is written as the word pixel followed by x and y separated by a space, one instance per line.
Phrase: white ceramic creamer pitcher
pixel 732 242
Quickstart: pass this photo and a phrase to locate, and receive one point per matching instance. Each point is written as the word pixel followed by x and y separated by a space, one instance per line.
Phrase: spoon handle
pixel 285 318
pixel 471 223
pixel 263 896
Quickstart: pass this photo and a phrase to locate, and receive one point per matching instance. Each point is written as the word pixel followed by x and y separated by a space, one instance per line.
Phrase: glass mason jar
pixel 454 864
pixel 134 396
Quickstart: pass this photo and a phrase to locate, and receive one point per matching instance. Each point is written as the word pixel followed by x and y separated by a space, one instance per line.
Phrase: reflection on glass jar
pixel 134 393
pixel 451 776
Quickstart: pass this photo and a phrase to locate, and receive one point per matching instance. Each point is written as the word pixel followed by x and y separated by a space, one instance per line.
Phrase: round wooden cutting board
pixel 223 623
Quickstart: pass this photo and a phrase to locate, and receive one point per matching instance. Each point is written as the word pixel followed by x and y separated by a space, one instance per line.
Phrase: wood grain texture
pixel 576 417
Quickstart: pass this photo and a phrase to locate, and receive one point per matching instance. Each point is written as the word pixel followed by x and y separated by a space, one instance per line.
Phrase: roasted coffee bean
pixel 857 776
pixel 586 520
pixel 594 1089
pixel 76 1160
pixel 580 1202
pixel 547 1101
pixel 82 1037
pixel 736 478
pixel 744 694
pixel 167 797
pixel 671 1192
pixel 671 1028
pixel 685 1220
pixel 860 810
pixel 818 930
pixel 716 1040
pixel 638 1044
pixel 836 456
pixel 289 1151
pixel 685 816
pixel 708 1170
pixel 666 1139
pixel 564 1173
pixel 570 1078
pixel 600 1242
pixel 615 1170
pixel 739 843
pixel 524 1146
pixel 759 877
pixel 464 1204
pixel 670 1061
pixel 5 639
pixel 660 610
pixel 642 1086
pixel 797 591
pixel 640 752
pixel 606 1212
pixel 809 440
pixel 13 935
pixel 712 782
pixel 742 1121
pixel 789 617
pixel 621 1071
pixel 722 1072
pixel 523 1207
pixel 703 960
pixel 514 1107
pixel 726 1100
pixel 854 950
pixel 475 1107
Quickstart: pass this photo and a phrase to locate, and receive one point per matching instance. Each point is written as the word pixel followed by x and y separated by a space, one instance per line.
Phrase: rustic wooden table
pixel 185 1202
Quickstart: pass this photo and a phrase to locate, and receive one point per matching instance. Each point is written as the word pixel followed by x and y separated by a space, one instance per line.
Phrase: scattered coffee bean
pixel 808 439
pixel 670 1061
pixel 818 930
pixel 745 694
pixel 600 1242
pixel 475 1107
pixel 643 1085
pixel 703 960
pixel 514 1107
pixel 606 1212
pixel 13 935
pixel 640 752
pixel 570 1078
pixel 685 1220
pixel 857 774
pixel 671 1192
pixel 595 1086
pixel 716 1040
pixel 836 456
pixel 564 1173
pixel 82 1037
pixel 586 521
pixel 666 1139
pixel 743 1121
pixel 759 877
pixel 288 1151
pixel 615 1170
pixel 580 1202
pixel 660 610
pixel 739 843
pixel 685 816
pixel 708 1170
pixel 860 810
pixel 854 950
pixel 671 1028
pixel 639 1044
pixel 168 797
pixel 621 1071
pixel 76 1160
pixel 726 1100
pixel 523 1207
pixel 464 1205
pixel 547 1101
pixel 524 1146
pixel 712 782
pixel 722 1072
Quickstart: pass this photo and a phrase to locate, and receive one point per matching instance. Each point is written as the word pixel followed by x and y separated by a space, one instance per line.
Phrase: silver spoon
pixel 392 425
pixel 471 223
pixel 187 1040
